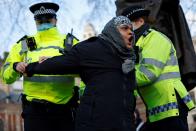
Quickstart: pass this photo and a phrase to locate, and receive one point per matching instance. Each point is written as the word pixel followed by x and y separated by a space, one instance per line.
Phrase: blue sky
pixel 72 14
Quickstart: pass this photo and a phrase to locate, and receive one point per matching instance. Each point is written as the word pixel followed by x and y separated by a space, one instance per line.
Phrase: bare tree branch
pixel 98 7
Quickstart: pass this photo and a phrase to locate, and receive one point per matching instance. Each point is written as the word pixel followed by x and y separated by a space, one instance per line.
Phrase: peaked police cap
pixel 44 8
pixel 134 12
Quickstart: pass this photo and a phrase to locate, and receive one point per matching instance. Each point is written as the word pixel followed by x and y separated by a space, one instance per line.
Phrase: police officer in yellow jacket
pixel 47 99
pixel 158 77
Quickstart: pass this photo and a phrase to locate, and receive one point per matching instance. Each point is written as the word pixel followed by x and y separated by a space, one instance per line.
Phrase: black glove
pixel 29 70
pixel 14 66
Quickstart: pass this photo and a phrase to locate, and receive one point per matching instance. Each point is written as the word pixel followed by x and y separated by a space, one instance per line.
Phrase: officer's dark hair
pixel 143 17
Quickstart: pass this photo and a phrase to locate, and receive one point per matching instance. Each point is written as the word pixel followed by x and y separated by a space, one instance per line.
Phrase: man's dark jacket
pixel 108 101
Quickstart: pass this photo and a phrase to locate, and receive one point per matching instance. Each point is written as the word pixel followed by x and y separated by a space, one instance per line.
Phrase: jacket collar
pixel 48 35
pixel 141 31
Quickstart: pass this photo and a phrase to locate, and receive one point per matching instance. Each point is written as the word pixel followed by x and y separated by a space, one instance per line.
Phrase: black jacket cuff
pixel 14 66
pixel 30 69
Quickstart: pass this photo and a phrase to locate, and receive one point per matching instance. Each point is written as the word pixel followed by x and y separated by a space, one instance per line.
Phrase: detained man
pixel 108 98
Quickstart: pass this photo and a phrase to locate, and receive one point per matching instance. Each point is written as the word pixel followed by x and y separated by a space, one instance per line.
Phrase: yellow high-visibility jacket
pixel 53 88
pixel 158 77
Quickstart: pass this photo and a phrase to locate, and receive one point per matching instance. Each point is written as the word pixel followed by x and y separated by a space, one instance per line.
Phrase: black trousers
pixel 47 117
pixel 169 124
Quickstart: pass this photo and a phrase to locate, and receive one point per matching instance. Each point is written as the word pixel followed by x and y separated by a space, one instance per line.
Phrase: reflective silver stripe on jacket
pixel 187 99
pixel 48 47
pixel 162 108
pixel 164 76
pixel 49 79
pixel 154 62
pixel 148 73
pixel 173 60
pixel 5 66
pixel 24 47
pixel 168 75
pixel 159 64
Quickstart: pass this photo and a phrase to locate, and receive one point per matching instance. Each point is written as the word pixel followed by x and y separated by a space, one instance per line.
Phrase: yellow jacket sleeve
pixel 9 75
pixel 154 55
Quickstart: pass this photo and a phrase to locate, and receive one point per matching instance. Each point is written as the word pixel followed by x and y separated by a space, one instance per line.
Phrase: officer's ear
pixel 36 22
pixel 138 22
pixel 54 21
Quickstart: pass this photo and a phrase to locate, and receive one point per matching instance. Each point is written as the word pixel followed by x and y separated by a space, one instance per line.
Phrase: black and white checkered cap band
pixel 139 9
pixel 42 11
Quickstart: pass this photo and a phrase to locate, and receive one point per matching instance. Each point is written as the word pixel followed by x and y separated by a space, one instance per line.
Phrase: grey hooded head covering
pixel 111 34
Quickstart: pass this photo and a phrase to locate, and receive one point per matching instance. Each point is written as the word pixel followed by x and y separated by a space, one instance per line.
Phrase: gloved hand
pixel 128 66
pixel 29 70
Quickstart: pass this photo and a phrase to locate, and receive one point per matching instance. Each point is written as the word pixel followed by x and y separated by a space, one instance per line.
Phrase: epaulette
pixel 27 43
pixel 24 37
pixel 146 32
pixel 71 35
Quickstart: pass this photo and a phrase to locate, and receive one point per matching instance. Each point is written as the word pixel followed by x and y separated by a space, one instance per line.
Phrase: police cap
pixel 44 9
pixel 134 12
